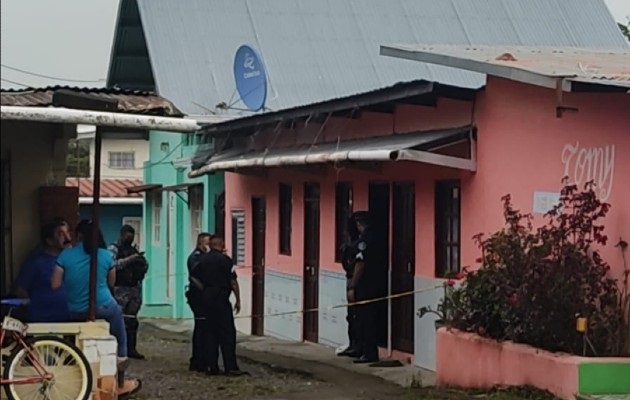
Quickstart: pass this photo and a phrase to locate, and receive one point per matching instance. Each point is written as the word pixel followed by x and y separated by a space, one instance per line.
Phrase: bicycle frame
pixel 34 360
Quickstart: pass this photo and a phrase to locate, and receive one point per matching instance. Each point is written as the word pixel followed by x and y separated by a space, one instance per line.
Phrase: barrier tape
pixel 328 308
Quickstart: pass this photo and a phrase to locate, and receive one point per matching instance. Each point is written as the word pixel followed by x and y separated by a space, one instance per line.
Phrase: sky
pixel 72 39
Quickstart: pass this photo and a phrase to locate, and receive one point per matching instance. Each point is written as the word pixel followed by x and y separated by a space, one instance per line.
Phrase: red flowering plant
pixel 532 283
pixel 445 307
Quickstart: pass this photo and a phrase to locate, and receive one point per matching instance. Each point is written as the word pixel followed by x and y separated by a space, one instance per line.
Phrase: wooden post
pixel 96 197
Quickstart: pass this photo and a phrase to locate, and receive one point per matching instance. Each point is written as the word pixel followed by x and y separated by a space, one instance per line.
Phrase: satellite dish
pixel 250 77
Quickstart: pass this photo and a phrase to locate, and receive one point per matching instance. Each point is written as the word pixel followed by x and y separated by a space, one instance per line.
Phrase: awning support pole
pixel 98 142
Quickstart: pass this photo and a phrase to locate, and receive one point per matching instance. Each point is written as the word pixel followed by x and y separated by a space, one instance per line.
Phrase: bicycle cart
pixel 43 367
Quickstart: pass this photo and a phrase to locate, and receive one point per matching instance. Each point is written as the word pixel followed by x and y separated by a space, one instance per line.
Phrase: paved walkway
pixel 255 348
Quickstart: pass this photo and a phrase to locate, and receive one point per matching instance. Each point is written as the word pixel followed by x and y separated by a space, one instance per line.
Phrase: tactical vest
pixel 133 273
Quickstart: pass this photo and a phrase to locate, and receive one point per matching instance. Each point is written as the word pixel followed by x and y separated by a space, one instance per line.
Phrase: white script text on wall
pixel 584 164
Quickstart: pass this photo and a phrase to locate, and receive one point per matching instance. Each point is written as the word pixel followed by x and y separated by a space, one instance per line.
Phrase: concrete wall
pixel 139 147
pixel 37 157
pixel 283 293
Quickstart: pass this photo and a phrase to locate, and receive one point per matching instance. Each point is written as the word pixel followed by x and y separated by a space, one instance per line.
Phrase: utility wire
pixel 50 77
pixel 14 82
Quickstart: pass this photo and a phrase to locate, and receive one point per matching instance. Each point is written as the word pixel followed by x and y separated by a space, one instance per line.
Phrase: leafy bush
pixel 534 283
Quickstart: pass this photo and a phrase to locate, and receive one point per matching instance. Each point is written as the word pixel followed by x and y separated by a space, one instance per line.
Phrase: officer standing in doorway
pixel 216 273
pixel 198 361
pixel 365 286
pixel 131 267
pixel 349 252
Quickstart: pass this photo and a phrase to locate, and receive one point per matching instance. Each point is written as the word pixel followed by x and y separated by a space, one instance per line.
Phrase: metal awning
pixel 415 147
pixel 143 188
pixel 179 187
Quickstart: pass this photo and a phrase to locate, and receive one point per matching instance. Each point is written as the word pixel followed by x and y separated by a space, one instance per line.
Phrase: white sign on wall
pixel 584 164
pixel 545 201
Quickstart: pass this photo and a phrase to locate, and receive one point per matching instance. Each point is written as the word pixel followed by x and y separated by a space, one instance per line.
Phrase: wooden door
pixel 171 242
pixel 258 268
pixel 403 266
pixel 379 201
pixel 311 261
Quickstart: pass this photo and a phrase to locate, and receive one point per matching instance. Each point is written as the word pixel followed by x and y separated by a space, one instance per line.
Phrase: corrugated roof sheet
pixel 109 187
pixel 129 101
pixel 606 67
pixel 318 50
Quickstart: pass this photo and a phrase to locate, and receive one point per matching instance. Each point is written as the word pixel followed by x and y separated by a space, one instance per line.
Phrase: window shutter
pixel 238 237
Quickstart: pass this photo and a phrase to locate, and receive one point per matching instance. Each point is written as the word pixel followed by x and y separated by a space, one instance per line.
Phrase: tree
pixel 625 29
pixel 78 159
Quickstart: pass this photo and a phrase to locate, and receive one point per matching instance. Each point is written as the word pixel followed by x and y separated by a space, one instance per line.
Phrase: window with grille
pixel 343 211
pixel 195 204
pixel 285 205
pixel 447 227
pixel 122 159
pixel 238 237
pixel 156 217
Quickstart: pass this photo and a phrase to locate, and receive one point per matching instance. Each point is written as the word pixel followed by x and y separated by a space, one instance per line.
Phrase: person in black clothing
pixel 198 360
pixel 349 252
pixel 365 286
pixel 216 273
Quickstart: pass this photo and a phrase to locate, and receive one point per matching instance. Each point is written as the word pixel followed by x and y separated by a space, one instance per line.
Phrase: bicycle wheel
pixel 72 375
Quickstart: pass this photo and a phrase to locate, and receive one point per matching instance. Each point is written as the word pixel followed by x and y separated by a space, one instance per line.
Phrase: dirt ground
pixel 165 375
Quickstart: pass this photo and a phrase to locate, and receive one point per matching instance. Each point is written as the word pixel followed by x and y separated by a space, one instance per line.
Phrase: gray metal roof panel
pixel 594 66
pixel 317 50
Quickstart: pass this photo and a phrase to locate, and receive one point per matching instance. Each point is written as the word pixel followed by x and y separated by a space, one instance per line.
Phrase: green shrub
pixel 534 283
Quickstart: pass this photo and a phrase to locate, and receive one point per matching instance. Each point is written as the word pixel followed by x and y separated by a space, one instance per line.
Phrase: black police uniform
pixel 368 288
pixel 128 291
pixel 198 360
pixel 216 271
pixel 348 261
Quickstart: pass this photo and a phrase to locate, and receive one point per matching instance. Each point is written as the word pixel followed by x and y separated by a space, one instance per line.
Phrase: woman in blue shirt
pixel 33 282
pixel 73 272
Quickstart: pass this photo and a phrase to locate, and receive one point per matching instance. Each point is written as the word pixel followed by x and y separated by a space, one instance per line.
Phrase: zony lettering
pixel 586 164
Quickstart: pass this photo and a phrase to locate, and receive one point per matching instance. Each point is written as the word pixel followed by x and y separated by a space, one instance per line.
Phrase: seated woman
pixel 73 272
pixel 33 282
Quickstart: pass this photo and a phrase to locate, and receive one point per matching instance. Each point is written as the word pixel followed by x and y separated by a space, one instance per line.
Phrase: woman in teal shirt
pixel 73 272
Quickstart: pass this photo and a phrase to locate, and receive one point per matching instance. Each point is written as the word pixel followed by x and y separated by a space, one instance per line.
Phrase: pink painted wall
pixel 471 361
pixel 520 151
pixel 240 188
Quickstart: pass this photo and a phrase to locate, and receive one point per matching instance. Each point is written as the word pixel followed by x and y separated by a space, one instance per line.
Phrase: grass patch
pixel 498 393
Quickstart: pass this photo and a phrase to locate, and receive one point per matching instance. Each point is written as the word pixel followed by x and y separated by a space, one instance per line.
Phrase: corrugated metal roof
pixel 604 67
pixel 129 101
pixel 318 50
pixel 111 188
pixel 362 150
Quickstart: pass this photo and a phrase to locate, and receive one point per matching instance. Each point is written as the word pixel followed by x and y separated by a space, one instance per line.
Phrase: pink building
pixel 431 162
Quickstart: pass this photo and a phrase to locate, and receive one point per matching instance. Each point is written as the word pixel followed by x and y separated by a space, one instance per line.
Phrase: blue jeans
pixel 112 313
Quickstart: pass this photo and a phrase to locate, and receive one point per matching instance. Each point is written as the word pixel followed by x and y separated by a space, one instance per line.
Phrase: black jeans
pixel 199 358
pixel 367 321
pixel 221 333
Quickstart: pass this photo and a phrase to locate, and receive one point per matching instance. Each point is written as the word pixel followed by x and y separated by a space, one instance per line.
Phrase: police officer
pixel 364 285
pixel 349 252
pixel 216 273
pixel 131 267
pixel 198 360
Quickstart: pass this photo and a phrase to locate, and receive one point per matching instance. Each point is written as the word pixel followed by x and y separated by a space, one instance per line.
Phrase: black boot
pixel 132 338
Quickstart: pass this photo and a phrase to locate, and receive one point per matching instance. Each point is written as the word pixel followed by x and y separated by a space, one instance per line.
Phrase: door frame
pixel 171 243
pixel 407 256
pixel 385 320
pixel 310 321
pixel 258 290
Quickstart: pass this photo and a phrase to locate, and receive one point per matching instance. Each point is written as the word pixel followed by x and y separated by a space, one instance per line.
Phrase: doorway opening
pixel 311 261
